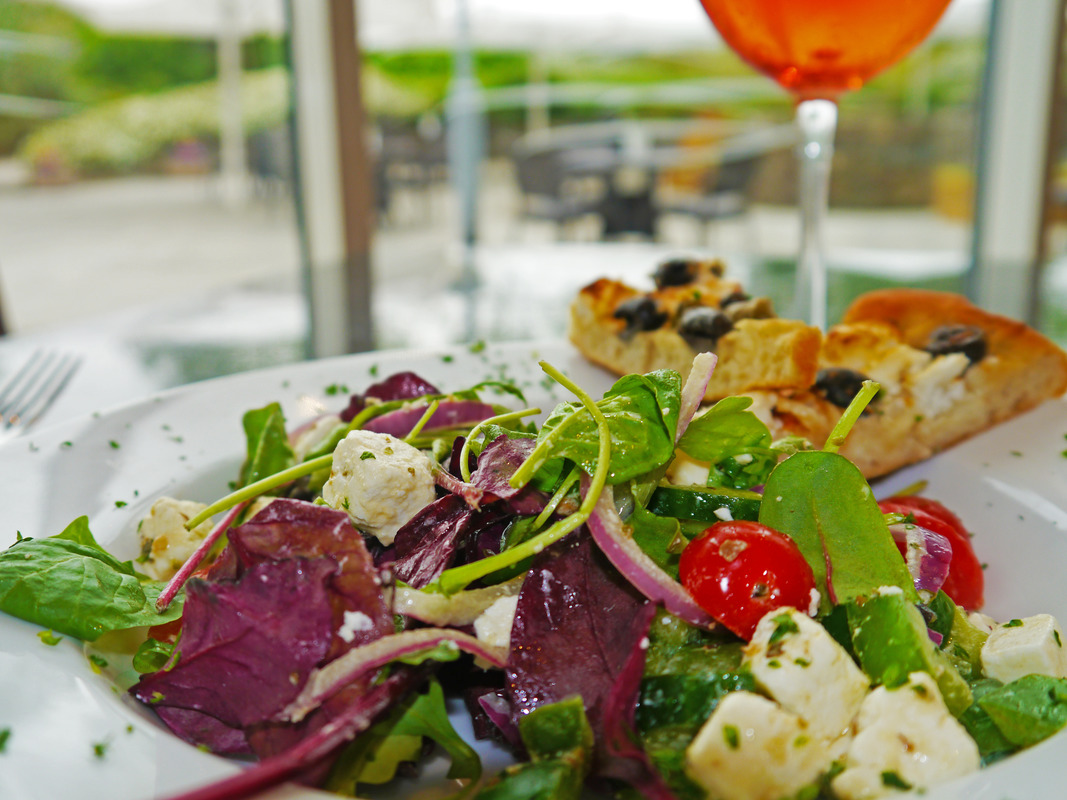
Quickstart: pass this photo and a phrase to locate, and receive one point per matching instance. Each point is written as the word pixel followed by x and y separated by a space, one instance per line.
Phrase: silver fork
pixel 30 392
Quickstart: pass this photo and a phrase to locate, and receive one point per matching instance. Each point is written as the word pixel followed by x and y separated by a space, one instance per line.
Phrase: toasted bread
pixel 947 369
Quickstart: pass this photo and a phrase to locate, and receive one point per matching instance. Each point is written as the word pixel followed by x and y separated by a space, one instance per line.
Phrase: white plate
pixel 1009 485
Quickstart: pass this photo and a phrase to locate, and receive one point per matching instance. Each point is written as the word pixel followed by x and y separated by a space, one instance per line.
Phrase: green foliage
pixel 133 132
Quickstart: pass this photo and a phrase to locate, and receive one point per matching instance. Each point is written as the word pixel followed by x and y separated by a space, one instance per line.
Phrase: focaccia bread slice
pixel 948 370
pixel 693 309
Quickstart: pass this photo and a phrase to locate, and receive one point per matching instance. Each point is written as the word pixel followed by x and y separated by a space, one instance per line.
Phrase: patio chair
pixel 549 188
pixel 725 189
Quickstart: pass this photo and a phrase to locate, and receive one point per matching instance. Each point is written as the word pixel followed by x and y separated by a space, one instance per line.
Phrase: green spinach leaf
pixel 70 584
pixel 733 441
pixel 268 444
pixel 824 504
pixel 642 416
pixel 375 756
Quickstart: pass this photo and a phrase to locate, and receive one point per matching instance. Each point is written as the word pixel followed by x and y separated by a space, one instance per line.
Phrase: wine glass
pixel 817 50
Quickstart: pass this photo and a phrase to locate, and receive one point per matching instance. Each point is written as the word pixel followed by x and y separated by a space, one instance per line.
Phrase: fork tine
pixel 43 381
pixel 14 385
pixel 50 388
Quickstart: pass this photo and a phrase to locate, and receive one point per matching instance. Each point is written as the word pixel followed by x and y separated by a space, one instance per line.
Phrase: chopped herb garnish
pixel 365 455
pixel 120 504
pixel 448 359
pixel 335 388
pixel 1013 623
pixel 373 371
pixel 67 444
pixel 478 346
pixel 97 662
pixel 894 781
pixel 1056 636
pixel 784 625
pixel 732 736
pixel 5 735
pixel 49 638
pixel 100 749
pixel 114 445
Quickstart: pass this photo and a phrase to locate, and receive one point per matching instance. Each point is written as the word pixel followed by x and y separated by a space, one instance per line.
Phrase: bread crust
pixel 927 402
pixel 756 354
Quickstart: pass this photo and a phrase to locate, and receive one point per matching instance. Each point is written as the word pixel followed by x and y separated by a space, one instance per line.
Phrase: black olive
pixel 675 272
pixel 838 385
pixel 640 314
pixel 702 326
pixel 966 339
pixel 734 297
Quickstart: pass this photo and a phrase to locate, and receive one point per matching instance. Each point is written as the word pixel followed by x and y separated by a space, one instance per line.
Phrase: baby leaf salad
pixel 768 630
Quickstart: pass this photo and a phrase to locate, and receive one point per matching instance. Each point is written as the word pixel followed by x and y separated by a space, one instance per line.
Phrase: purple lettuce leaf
pixel 449 414
pixel 289 529
pixel 400 386
pixel 445 533
pixel 246 649
pixel 574 609
pixel 497 463
pixel 621 756
pixel 308 759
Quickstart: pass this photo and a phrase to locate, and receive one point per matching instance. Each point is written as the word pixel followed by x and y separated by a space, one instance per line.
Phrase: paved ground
pixel 75 253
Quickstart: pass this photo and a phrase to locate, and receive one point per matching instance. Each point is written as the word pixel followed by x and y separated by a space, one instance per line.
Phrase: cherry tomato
pixel 965 583
pixel 166 631
pixel 738 571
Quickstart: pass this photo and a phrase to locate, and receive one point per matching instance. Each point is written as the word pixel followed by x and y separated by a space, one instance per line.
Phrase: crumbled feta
pixel 314 434
pixel 753 749
pixel 935 387
pixel 685 470
pixel 723 514
pixel 380 481
pixel 1024 647
pixel 795 661
pixel 908 735
pixel 354 622
pixel 165 543
pixel 983 622
pixel 493 626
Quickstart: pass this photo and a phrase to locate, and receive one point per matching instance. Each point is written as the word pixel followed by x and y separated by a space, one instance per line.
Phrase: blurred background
pixel 236 183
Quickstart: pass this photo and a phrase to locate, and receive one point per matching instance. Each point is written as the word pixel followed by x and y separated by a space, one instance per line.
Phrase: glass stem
pixel 817 121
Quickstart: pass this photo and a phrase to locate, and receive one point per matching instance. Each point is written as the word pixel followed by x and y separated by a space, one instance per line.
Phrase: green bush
pixel 135 132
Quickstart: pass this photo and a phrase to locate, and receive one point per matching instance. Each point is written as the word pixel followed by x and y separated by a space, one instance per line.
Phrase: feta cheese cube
pixel 314 434
pixel 493 625
pixel 165 543
pixel 380 481
pixel 796 662
pixel 1024 647
pixel 753 749
pixel 905 737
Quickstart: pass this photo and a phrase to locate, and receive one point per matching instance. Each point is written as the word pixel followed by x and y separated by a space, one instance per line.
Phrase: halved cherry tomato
pixel 965 583
pixel 166 631
pixel 738 571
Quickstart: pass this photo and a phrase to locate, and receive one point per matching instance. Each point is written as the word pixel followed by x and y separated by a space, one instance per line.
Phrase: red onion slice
pixel 618 545
pixel 696 384
pixel 927 554
pixel 326 681
pixel 449 414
